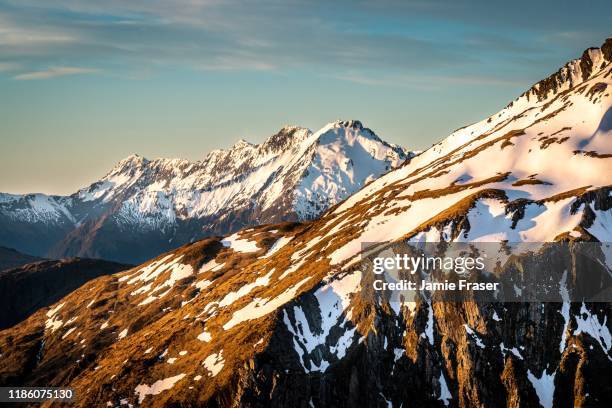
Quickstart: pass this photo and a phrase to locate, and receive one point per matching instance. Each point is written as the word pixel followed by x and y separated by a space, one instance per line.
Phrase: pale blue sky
pixel 86 83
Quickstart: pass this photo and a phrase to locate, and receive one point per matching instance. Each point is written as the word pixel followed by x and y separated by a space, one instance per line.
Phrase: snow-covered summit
pixel 327 166
pixel 295 174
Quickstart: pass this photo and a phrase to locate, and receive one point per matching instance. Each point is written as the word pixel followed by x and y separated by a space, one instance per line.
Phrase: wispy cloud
pixel 427 82
pixel 9 66
pixel 237 62
pixel 29 35
pixel 324 38
pixel 222 35
pixel 54 72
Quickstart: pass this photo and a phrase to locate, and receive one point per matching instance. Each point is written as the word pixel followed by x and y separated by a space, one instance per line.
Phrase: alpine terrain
pixel 143 207
pixel 29 287
pixel 279 315
pixel 9 258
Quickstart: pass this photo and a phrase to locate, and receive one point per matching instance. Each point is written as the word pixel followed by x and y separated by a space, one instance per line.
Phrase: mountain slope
pixel 280 315
pixel 144 207
pixel 9 258
pixel 27 288
pixel 30 223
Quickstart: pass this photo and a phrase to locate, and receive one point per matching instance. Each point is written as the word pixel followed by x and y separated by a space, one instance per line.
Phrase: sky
pixel 84 84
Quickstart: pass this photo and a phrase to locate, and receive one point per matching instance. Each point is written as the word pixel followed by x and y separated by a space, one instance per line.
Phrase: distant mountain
pixel 25 289
pixel 144 207
pixel 278 315
pixel 10 258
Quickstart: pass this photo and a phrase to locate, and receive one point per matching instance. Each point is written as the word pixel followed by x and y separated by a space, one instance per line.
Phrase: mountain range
pixel 280 314
pixel 143 207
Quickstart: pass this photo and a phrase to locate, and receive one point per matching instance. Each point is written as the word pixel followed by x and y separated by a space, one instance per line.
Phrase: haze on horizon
pixel 84 84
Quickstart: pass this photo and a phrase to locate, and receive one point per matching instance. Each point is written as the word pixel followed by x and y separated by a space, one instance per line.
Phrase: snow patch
pixel 54 310
pixel 157 387
pixel 244 290
pixel 203 284
pixel 123 333
pixel 214 363
pixel 445 395
pixel 278 244
pixel 333 300
pixel 473 334
pixel 239 245
pixel 68 332
pixel 544 387
pixel 204 336
pixel 589 323
pixel 260 307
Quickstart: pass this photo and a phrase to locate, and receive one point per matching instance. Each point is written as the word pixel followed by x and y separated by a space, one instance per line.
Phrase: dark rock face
pixel 606 48
pixel 599 200
pixel 489 375
pixel 37 285
pixel 458 354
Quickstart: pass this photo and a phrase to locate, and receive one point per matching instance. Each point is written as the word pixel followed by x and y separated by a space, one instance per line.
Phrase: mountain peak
pixel 131 161
pixel 241 144
pixel 285 137
pixel 134 157
pixel 290 128
pixel 574 72
pixel 606 48
pixel 350 124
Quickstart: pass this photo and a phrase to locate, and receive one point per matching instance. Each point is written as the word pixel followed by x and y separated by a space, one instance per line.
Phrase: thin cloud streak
pixel 428 82
pixel 9 66
pixel 54 72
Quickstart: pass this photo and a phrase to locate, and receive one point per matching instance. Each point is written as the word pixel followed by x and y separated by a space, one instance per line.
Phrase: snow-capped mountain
pixel 278 315
pixel 144 207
